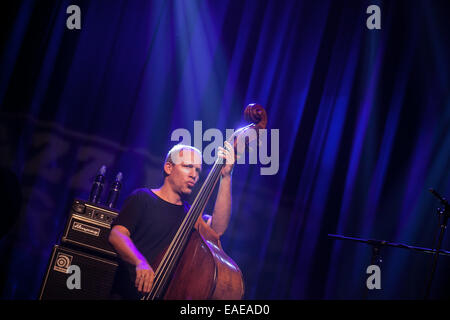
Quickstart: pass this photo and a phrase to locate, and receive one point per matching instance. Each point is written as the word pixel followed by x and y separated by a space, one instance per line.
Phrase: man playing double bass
pixel 150 218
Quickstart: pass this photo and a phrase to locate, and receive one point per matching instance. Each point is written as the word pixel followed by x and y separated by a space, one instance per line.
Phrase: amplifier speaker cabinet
pixel 88 227
pixel 96 276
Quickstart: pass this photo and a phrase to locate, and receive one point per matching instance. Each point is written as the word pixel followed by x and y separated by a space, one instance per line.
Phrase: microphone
pixel 97 186
pixel 114 191
pixel 441 199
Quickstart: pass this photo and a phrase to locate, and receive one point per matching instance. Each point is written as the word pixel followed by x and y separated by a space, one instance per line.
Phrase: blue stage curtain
pixel 363 118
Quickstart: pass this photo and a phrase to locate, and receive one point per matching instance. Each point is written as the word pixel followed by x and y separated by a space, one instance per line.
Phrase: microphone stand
pixel 377 244
pixel 444 213
pixel 376 248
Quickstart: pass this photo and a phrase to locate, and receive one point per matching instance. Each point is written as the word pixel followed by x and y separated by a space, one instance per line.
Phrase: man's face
pixel 184 173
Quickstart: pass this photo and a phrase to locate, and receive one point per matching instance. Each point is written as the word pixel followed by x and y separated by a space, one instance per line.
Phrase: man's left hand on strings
pixel 227 154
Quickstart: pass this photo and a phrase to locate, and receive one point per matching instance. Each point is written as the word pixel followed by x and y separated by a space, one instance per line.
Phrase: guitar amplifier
pixel 95 276
pixel 88 227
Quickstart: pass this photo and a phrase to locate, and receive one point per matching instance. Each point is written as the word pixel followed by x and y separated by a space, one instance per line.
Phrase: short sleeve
pixel 131 211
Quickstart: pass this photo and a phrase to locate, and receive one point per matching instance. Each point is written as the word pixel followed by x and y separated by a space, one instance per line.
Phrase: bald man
pixel 150 218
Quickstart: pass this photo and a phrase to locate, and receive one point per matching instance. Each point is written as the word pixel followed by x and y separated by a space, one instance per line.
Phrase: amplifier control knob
pixel 78 208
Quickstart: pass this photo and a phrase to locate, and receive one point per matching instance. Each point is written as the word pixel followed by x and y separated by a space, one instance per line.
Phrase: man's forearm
pixel 121 241
pixel 222 208
pixel 125 248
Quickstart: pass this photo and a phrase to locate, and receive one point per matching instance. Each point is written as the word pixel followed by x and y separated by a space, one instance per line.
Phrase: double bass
pixel 194 266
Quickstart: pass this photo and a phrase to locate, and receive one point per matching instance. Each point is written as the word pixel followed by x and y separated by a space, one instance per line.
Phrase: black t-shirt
pixel 152 222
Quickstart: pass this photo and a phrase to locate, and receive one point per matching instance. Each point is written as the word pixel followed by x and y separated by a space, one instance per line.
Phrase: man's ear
pixel 168 166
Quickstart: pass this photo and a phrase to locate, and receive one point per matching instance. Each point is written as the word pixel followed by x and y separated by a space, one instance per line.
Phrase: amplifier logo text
pixel 86 229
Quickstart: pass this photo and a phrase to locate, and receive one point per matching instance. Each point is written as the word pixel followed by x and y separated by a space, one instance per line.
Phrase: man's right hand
pixel 144 277
pixel 122 243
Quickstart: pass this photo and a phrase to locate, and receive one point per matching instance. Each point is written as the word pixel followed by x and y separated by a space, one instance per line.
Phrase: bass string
pixel 178 243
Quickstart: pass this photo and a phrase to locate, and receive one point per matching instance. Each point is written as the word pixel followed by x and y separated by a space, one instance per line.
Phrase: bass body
pixel 204 270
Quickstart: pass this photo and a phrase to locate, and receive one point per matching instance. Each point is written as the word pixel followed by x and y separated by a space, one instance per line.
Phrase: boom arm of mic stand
pixel 390 244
